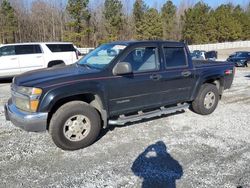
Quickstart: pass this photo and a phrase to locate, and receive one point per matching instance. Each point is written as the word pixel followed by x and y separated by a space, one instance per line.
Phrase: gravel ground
pixel 182 150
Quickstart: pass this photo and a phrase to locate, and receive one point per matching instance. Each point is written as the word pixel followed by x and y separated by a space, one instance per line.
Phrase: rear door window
pixel 61 47
pixel 28 49
pixel 175 57
pixel 7 50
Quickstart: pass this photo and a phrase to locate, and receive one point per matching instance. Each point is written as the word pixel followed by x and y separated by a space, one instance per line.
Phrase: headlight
pixel 29 91
pixel 27 98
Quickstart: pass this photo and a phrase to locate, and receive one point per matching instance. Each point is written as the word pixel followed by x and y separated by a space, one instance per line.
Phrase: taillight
pixel 227 72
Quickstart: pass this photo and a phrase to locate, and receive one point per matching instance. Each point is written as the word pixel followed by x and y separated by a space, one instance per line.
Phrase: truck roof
pixel 147 41
pixel 35 43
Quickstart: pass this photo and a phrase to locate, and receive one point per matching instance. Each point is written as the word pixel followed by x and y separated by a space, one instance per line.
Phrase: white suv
pixel 22 57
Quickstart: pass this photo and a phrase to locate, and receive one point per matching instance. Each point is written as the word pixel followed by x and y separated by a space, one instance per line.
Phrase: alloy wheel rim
pixel 76 128
pixel 209 100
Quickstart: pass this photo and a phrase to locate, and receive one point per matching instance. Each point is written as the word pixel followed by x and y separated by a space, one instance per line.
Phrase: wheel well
pixel 218 83
pixel 91 99
pixel 56 62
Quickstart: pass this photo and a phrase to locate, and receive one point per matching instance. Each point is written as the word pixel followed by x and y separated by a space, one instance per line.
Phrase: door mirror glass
pixel 122 68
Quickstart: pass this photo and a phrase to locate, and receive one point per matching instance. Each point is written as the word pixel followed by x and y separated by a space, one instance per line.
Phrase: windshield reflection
pixel 101 56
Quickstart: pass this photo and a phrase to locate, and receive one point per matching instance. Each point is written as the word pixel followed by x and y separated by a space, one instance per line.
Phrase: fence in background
pixel 219 46
pixel 206 47
pixel 85 50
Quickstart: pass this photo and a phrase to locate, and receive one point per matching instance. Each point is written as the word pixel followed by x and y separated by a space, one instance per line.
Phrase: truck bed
pixel 209 63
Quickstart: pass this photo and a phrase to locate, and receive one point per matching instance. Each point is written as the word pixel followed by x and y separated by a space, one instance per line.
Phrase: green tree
pixel 228 28
pixel 196 28
pixel 79 27
pixel 168 12
pixel 139 10
pixel 152 25
pixel 8 22
pixel 243 18
pixel 247 33
pixel 114 19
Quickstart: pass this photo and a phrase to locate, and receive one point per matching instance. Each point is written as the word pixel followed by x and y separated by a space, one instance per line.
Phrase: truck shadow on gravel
pixel 157 167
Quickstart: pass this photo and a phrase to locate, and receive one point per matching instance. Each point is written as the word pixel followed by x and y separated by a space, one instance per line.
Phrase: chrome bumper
pixel 31 122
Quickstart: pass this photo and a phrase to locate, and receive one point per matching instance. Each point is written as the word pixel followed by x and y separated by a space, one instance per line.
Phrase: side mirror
pixel 122 68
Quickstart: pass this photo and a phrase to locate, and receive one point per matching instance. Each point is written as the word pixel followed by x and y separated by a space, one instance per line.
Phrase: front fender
pixel 51 97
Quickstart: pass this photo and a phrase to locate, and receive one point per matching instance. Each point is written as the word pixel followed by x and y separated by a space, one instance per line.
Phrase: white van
pixel 22 57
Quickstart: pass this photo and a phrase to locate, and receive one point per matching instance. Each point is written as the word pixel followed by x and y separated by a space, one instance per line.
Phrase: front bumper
pixel 31 122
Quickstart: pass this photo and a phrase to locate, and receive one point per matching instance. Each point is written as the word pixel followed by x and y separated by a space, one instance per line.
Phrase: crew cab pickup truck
pixel 116 83
pixel 22 57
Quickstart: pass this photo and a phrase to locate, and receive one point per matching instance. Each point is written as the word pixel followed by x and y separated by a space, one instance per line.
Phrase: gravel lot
pixel 185 149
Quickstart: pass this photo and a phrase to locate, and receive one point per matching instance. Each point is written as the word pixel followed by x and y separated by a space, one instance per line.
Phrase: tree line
pixel 88 23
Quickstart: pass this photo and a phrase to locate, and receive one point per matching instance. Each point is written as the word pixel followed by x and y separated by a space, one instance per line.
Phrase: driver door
pixel 141 89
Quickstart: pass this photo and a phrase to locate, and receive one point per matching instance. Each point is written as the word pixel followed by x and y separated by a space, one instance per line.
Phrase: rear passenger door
pixel 30 57
pixel 178 77
pixel 9 63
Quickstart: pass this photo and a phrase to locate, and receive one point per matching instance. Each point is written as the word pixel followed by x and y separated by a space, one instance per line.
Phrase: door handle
pixel 155 77
pixel 14 58
pixel 38 56
pixel 186 73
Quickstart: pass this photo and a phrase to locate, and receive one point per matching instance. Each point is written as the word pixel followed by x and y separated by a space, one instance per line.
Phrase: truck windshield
pixel 101 56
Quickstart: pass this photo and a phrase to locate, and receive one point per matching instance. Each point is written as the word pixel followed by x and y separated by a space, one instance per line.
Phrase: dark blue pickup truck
pixel 116 83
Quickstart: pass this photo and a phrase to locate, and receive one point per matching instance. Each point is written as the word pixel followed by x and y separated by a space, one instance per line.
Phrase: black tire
pixel 198 105
pixel 64 113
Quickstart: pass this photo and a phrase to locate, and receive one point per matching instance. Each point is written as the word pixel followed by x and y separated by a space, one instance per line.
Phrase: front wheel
pixel 206 100
pixel 75 125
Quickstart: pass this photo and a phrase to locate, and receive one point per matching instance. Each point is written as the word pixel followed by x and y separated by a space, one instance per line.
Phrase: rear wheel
pixel 75 125
pixel 206 100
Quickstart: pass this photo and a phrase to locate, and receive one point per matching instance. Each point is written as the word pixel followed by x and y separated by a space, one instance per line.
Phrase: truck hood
pixel 43 77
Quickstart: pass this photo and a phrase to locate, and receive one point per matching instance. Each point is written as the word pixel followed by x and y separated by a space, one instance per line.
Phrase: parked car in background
pixel 23 57
pixel 85 51
pixel 203 55
pixel 198 54
pixel 240 59
pixel 211 55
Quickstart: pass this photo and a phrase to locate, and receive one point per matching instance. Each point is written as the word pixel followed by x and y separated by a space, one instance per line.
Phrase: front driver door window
pixel 143 59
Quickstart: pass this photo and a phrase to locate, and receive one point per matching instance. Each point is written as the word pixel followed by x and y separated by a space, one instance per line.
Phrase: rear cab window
pixel 61 47
pixel 175 57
